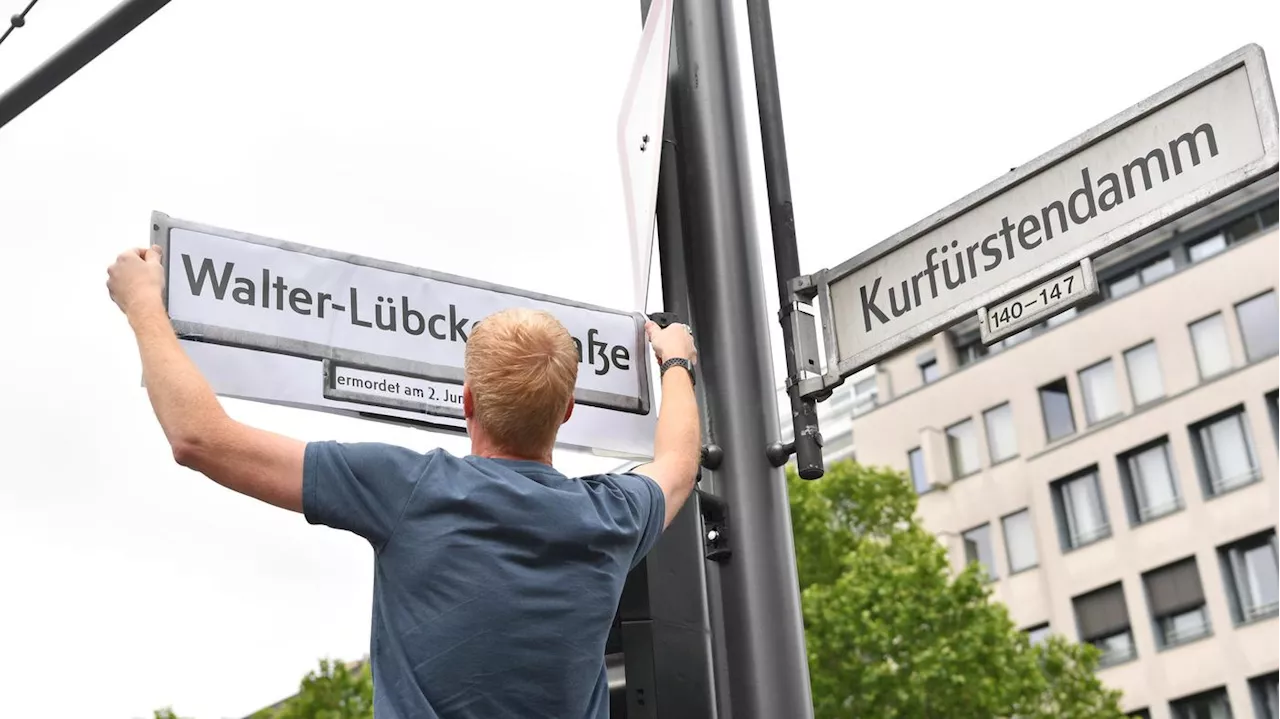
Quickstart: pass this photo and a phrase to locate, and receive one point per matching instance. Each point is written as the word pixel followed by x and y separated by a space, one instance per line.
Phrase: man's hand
pixel 676 340
pixel 136 279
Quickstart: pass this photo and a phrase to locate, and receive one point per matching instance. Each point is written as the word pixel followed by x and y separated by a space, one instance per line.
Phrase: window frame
pixel 1257 687
pixel 1244 337
pixel 1035 545
pixel 1089 421
pixel 1044 417
pixel 1178 707
pixel 1065 521
pixel 1013 427
pixel 1206 472
pixel 1155 350
pixel 1162 640
pixel 1103 661
pixel 1195 347
pixel 1125 464
pixel 992 572
pixel 956 474
pixel 1230 560
pixel 911 472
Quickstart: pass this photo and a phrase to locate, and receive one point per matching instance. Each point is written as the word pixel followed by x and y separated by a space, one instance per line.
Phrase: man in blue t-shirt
pixel 496 578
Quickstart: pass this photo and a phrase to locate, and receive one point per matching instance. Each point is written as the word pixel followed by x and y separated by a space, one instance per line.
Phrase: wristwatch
pixel 678 362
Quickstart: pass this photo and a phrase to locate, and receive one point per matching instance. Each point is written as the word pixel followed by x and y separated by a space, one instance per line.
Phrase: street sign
pixel 1038 303
pixel 284 323
pixel 1189 144
pixel 640 140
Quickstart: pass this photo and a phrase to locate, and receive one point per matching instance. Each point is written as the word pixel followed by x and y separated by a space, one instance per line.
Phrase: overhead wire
pixel 17 21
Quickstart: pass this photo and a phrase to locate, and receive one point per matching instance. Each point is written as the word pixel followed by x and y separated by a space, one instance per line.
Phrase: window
pixel 919 480
pixel 1249 565
pixel 1104 623
pixel 962 445
pixel 1269 215
pixel 1212 704
pixel 1002 439
pixel 977 548
pixel 1224 452
pixel 1101 398
pixel 1038 634
pixel 929 371
pixel 1082 516
pixel 1176 600
pixel 1020 541
pixel 1146 382
pixel 1263 689
pixel 866 395
pixel 1206 248
pixel 1243 227
pixel 1259 319
pixel 1274 411
pixel 1139 714
pixel 1209 336
pixel 1055 404
pixel 1149 483
pixel 1140 277
pixel 1061 317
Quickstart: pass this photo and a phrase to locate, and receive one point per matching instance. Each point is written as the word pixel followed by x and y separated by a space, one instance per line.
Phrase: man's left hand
pixel 136 279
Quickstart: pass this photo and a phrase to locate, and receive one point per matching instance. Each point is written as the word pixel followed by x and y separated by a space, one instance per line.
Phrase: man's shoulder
pixel 381 454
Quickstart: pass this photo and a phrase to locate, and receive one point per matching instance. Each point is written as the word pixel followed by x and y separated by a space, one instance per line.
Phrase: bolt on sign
pixel 284 323
pixel 1191 143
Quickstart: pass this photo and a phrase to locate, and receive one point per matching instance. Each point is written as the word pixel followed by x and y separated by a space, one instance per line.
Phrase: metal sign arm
pixel 807 442
pixel 113 26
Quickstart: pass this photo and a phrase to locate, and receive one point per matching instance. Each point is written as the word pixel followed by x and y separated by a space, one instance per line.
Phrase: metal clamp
pixel 715 526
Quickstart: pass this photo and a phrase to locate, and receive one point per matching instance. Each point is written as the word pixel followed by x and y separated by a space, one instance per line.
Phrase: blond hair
pixel 521 366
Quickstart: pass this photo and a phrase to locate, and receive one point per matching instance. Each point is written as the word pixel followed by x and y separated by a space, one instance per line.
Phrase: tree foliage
pixel 335 691
pixel 895 633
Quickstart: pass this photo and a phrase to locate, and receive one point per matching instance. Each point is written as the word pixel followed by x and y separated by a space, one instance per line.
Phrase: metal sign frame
pixel 818 285
pixel 162 224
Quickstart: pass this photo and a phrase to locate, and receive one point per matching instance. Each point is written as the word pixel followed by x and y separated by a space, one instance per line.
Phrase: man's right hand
pixel 675 340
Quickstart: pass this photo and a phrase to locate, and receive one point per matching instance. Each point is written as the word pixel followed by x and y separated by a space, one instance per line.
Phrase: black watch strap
pixel 679 362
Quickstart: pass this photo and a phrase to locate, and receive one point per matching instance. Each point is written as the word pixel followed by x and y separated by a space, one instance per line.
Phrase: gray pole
pixel 804 416
pixel 763 632
pixel 113 26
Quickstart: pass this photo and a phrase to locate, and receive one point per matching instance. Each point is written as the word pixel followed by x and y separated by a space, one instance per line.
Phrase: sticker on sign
pixel 379 338
pixel 1034 305
pixel 1195 141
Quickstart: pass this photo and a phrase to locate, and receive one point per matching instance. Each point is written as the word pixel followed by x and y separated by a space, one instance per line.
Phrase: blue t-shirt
pixel 495 581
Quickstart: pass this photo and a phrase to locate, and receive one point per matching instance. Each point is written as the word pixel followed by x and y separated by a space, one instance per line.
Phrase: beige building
pixel 1115 469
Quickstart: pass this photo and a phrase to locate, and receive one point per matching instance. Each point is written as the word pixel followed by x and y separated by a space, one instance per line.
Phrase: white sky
pixel 473 138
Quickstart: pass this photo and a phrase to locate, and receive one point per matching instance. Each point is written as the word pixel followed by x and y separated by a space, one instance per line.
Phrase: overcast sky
pixel 474 138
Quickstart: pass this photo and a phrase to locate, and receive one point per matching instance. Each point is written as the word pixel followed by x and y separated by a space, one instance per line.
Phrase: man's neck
pixel 479 449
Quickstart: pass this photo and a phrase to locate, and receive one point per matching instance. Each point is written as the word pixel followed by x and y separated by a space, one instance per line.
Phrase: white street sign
pixel 285 323
pixel 1037 303
pixel 1193 142
pixel 640 140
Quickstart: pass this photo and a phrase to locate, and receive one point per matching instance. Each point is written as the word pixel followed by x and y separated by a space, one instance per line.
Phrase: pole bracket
pixel 715 527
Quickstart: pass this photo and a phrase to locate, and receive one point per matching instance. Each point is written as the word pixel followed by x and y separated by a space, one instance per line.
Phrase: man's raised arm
pixel 677 445
pixel 203 437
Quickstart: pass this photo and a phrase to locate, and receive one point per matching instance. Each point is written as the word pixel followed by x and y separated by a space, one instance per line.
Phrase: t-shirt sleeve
pixel 361 487
pixel 649 506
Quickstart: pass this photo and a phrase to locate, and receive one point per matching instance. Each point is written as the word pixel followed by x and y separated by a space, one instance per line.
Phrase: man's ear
pixel 568 412
pixel 468 402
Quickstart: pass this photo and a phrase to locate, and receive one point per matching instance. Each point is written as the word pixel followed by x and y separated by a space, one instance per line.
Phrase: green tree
pixel 334 691
pixel 893 632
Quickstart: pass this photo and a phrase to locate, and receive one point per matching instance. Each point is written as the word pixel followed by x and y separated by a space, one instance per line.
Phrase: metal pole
pixel 804 415
pixel 91 43
pixel 763 632
pixel 665 613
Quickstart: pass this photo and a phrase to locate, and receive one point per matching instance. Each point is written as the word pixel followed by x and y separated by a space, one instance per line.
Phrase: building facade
pixel 1114 469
